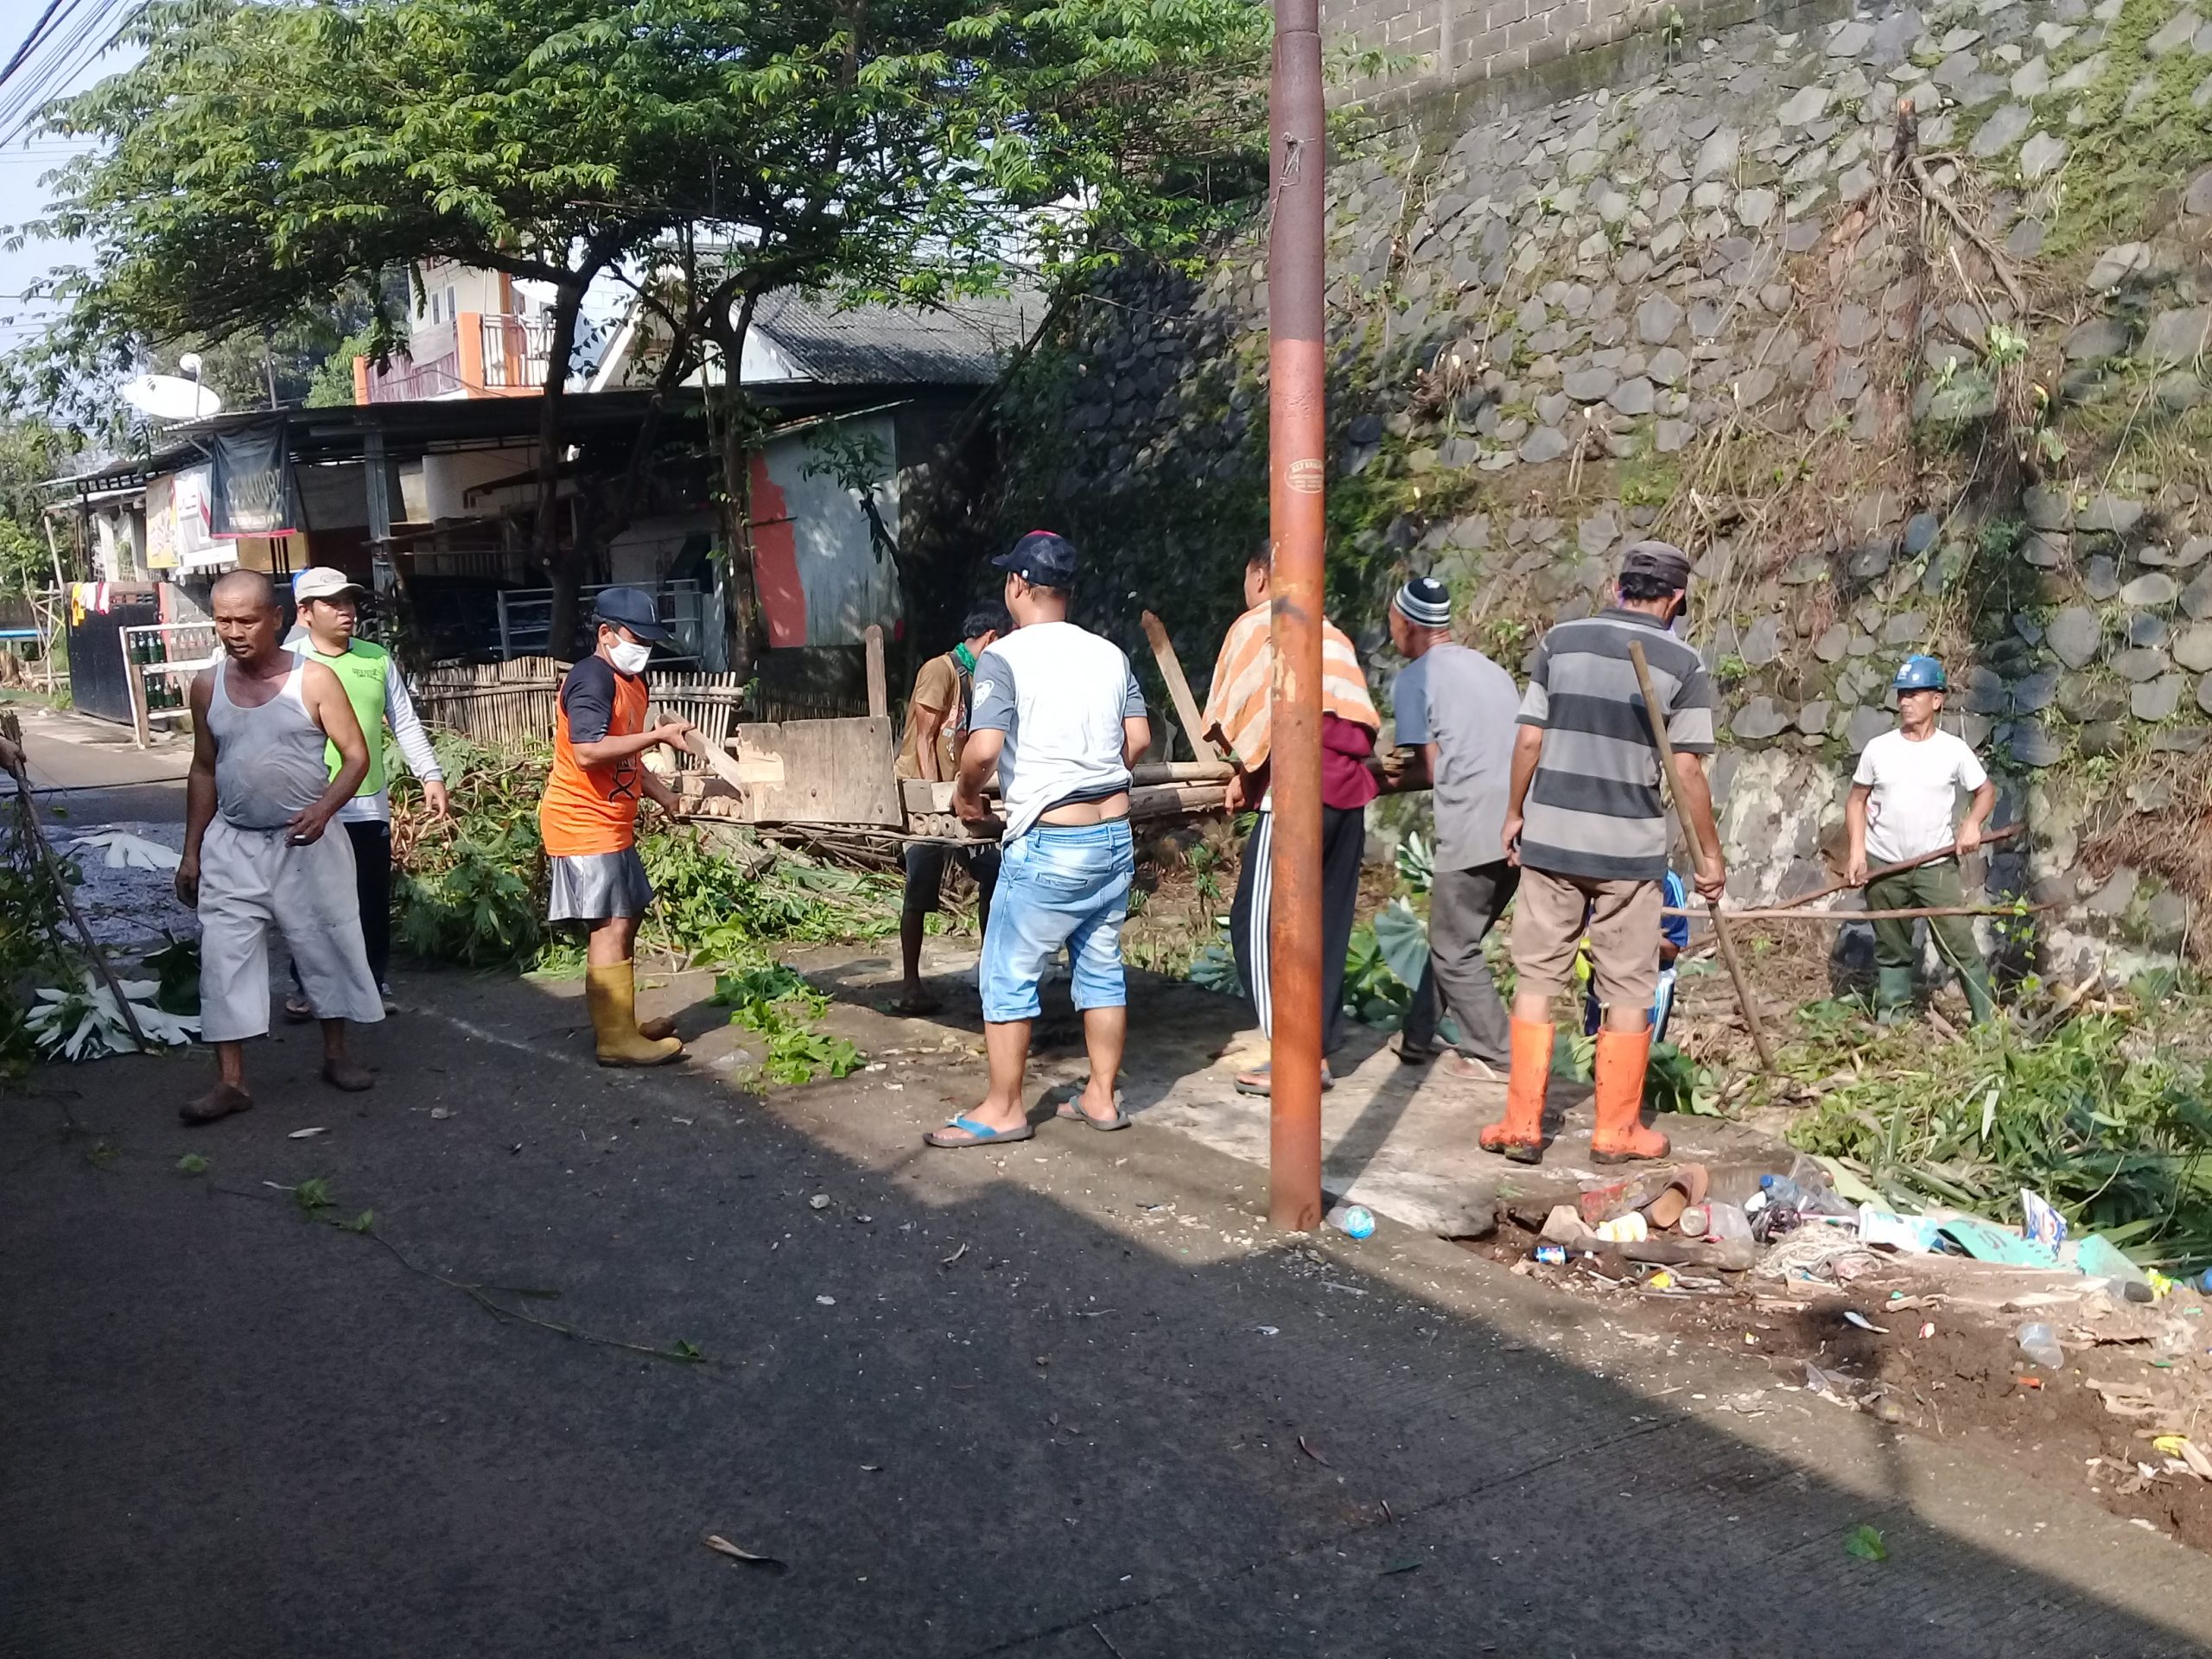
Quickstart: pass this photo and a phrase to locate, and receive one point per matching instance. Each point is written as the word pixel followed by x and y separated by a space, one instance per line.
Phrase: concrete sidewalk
pixel 69 751
pixel 1063 1397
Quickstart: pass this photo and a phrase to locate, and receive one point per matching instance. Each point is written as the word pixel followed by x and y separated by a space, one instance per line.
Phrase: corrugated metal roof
pixel 960 343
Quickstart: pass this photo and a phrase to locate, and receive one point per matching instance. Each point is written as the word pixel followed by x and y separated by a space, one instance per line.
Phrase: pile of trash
pixel 1797 1227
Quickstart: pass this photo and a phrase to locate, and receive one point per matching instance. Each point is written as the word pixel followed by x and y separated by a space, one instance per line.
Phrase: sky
pixel 22 198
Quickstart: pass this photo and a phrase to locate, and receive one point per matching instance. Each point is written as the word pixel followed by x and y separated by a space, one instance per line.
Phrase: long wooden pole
pixel 1781 914
pixel 1697 852
pixel 1297 165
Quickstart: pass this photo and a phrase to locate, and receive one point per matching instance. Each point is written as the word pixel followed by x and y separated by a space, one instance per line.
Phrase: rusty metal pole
pixel 1296 434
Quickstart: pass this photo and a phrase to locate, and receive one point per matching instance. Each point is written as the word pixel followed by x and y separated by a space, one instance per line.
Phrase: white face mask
pixel 629 656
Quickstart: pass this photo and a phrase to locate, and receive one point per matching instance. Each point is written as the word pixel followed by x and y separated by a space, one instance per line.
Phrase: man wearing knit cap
pixel 1587 824
pixel 1238 703
pixel 1455 709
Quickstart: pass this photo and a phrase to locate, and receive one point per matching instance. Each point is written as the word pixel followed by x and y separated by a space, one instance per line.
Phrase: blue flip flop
pixel 983 1134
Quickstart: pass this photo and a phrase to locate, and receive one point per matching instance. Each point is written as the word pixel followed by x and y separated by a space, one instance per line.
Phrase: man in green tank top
pixel 329 605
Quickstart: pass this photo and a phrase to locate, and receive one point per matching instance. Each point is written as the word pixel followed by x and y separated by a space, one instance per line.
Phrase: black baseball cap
pixel 629 608
pixel 1663 560
pixel 1043 558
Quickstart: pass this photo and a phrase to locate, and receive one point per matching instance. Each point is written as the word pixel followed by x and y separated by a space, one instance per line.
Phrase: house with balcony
pixel 472 334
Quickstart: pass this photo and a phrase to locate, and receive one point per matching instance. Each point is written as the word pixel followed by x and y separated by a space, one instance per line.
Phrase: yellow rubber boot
pixel 611 994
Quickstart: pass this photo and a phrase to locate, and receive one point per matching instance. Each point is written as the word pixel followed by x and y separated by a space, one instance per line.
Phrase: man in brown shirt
pixel 937 725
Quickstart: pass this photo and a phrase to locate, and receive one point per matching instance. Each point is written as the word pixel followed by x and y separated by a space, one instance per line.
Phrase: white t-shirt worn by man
pixel 1915 788
pixel 1060 695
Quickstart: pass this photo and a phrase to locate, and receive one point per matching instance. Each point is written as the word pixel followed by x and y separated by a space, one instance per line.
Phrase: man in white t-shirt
pixel 1903 799
pixel 1058 712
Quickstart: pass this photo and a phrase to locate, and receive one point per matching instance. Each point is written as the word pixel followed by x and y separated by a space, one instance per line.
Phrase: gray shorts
pixel 596 886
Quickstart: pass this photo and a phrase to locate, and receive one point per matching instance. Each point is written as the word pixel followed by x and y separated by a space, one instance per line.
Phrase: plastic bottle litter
pixel 1805 1200
pixel 1631 1228
pixel 1551 1255
pixel 1726 1221
pixel 2040 1344
pixel 1358 1222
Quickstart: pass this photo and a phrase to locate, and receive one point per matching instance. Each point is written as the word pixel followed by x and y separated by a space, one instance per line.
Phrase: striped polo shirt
pixel 1594 809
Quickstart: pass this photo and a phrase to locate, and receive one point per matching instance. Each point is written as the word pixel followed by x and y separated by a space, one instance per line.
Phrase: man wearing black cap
pixel 1587 824
pixel 1455 709
pixel 1058 712
pixel 589 819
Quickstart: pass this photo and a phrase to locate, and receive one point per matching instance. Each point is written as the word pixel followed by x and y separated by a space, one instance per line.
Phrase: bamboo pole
pixel 1697 851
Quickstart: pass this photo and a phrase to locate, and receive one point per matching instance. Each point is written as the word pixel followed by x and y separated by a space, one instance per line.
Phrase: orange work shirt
pixel 588 810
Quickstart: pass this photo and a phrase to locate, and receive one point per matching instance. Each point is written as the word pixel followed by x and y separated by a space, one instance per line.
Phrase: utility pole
pixel 1297 169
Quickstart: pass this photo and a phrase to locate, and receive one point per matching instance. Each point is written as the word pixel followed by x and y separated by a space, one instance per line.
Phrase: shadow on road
pixel 1066 1397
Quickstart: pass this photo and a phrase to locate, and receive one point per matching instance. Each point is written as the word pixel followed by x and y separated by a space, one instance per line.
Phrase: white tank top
pixel 269 761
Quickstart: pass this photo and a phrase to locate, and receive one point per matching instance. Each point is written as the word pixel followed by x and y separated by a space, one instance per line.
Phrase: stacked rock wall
pixel 1895 320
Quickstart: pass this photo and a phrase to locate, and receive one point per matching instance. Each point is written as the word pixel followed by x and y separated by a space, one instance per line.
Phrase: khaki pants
pixel 1622 918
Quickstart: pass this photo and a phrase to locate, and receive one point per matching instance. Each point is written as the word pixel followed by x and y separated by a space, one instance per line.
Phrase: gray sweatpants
pixel 1462 906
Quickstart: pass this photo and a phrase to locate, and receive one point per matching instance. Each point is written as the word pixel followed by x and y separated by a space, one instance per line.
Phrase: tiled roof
pixel 961 343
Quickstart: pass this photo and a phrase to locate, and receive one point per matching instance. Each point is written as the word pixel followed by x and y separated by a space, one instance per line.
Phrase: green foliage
pixel 777 1003
pixel 2121 162
pixel 1373 993
pixel 33 953
pixel 1864 1543
pixel 192 1163
pixel 2111 1126
pixel 175 967
pixel 313 1195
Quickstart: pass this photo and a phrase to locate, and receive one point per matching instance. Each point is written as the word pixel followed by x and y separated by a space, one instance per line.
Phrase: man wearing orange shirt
pixel 589 819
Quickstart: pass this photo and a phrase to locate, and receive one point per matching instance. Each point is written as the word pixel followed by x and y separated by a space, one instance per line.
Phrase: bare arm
pixel 1985 803
pixel 979 756
pixel 199 790
pixel 1136 738
pixel 332 710
pixel 1527 748
pixel 929 724
pixel 1854 829
pixel 610 748
pixel 659 793
pixel 1694 797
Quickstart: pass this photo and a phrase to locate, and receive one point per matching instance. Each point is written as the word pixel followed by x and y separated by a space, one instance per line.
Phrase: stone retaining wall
pixel 1722 301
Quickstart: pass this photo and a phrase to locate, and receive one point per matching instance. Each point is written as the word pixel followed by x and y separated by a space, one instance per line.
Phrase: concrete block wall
pixel 1458 42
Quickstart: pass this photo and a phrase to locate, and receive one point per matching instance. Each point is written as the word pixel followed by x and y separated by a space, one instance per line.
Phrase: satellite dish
pixel 169 397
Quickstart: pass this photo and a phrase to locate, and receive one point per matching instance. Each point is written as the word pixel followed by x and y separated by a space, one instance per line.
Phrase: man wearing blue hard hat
pixel 1903 799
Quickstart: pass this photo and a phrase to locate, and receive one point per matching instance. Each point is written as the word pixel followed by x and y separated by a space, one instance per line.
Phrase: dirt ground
pixel 1965 1383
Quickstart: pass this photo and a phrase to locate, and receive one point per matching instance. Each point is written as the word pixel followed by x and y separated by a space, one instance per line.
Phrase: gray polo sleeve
pixel 1409 704
pixel 993 694
pixel 1536 701
pixel 1132 694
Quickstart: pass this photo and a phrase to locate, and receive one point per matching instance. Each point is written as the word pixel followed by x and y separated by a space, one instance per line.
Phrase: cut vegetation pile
pixel 2107 1117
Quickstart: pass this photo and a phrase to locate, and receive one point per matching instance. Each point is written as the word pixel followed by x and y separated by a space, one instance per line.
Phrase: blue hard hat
pixel 1920 673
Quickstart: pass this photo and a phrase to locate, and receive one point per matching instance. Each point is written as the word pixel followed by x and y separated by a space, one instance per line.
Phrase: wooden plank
pixel 879 684
pixel 1179 688
pixel 818 772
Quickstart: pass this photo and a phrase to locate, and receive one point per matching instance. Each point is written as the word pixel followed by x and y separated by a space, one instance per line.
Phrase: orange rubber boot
pixel 1620 1136
pixel 1520 1134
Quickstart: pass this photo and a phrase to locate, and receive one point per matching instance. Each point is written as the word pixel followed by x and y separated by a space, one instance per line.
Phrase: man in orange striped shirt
pixel 1244 678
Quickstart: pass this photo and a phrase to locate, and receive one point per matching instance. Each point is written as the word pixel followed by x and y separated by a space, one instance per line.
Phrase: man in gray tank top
pixel 256 803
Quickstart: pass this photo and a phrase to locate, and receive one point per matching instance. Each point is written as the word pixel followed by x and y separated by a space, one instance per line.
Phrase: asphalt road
pixel 1065 1398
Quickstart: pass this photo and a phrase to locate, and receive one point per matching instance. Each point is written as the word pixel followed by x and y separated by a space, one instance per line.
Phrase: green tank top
pixel 361 672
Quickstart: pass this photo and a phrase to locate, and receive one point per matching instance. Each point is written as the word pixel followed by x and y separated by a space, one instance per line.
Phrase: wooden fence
pixel 509 705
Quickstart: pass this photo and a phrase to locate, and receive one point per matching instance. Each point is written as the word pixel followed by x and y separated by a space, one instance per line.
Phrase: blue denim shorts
pixel 1058 885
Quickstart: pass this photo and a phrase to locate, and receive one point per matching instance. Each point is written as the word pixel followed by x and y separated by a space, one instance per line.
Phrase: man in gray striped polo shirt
pixel 1587 824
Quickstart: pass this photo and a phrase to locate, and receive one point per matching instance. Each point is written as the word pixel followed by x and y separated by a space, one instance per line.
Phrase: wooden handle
pixel 1697 852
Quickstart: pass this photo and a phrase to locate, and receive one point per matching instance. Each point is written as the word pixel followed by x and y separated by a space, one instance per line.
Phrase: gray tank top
pixel 269 761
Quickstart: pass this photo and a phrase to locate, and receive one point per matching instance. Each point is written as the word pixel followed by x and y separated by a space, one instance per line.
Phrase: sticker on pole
pixel 1304 477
